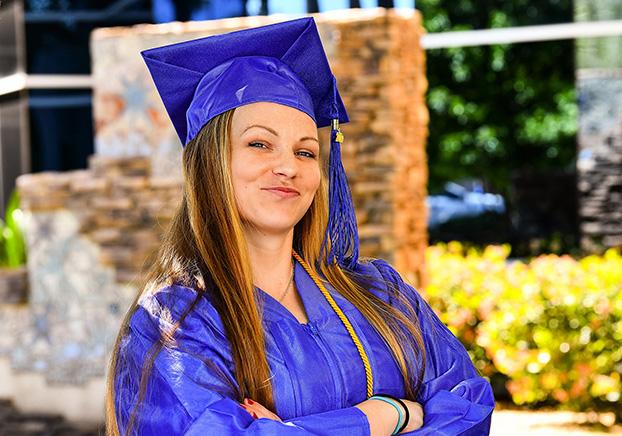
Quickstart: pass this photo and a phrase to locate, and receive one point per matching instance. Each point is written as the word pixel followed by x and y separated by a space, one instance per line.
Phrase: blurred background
pixel 484 155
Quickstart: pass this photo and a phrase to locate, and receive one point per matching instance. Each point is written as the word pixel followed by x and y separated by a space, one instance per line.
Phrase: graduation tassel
pixel 342 228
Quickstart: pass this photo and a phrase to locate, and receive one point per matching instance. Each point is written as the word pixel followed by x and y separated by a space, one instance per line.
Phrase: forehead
pixel 273 115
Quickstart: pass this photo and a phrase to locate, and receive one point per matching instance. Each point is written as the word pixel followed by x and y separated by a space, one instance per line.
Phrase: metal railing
pixel 513 35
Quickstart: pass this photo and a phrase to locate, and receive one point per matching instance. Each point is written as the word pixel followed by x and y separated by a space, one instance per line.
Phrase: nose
pixel 285 164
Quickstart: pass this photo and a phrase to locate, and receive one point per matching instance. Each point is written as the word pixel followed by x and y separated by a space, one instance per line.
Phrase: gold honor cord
pixel 346 323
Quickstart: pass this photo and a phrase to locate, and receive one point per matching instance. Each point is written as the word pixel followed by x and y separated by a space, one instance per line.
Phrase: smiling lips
pixel 283 191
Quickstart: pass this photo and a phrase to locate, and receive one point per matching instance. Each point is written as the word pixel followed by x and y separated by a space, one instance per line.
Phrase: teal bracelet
pixel 397 407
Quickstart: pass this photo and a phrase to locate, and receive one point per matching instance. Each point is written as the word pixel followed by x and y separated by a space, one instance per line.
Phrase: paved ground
pixel 13 423
pixel 514 423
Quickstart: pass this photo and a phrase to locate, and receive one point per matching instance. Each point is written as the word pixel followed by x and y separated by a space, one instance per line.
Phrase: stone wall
pixel 116 204
pixel 90 232
pixel 599 163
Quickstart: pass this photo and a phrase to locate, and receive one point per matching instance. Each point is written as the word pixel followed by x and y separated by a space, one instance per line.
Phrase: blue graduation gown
pixel 318 376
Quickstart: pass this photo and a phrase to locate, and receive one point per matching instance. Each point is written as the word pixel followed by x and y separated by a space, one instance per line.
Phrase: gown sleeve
pixel 190 390
pixel 456 400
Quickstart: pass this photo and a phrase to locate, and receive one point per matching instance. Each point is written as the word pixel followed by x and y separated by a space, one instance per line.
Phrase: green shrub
pixel 553 326
pixel 12 246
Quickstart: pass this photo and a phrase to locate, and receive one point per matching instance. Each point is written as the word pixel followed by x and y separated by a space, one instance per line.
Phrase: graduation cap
pixel 282 63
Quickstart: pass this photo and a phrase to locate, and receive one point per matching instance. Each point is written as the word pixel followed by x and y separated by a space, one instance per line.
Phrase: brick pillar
pixel 380 66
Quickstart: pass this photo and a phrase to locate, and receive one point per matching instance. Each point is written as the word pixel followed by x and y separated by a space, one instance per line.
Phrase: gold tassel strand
pixel 345 321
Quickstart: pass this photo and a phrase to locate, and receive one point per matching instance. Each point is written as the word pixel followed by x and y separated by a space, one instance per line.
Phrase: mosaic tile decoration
pixel 75 306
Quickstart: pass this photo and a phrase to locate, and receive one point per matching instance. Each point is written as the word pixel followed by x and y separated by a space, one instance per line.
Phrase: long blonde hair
pixel 204 247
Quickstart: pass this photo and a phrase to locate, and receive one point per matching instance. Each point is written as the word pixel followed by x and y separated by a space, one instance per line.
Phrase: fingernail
pixel 254 415
pixel 251 402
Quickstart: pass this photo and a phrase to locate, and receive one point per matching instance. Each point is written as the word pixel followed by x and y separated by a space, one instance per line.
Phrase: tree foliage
pixel 498 109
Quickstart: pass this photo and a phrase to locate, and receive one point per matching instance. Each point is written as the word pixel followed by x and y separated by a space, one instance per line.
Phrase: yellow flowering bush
pixel 552 326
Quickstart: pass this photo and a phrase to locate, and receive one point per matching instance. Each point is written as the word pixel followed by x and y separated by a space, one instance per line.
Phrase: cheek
pixel 236 177
pixel 243 171
pixel 240 181
pixel 314 182
pixel 311 186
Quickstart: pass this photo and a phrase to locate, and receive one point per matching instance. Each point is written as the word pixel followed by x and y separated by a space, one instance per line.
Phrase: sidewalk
pixel 537 423
pixel 13 422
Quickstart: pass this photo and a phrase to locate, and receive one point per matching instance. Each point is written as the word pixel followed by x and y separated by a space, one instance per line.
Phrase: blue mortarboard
pixel 282 63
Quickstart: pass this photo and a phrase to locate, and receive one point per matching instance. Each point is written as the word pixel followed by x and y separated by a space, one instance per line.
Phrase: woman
pixel 258 316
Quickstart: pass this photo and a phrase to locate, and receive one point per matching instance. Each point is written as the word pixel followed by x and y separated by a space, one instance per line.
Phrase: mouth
pixel 283 192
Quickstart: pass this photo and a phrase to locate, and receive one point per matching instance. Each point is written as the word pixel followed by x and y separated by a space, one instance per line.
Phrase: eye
pixel 307 154
pixel 257 145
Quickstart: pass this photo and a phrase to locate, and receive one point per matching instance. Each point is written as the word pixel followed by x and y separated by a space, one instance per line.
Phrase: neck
pixel 270 257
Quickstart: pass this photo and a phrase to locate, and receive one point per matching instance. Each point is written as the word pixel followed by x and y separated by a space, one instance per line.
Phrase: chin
pixel 273 221
pixel 272 225
pixel 276 228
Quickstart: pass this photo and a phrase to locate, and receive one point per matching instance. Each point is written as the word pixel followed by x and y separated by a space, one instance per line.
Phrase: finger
pixel 249 410
pixel 255 412
pixel 258 415
pixel 257 406
pixel 260 410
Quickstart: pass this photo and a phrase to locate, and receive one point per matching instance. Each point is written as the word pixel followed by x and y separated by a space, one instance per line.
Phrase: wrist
pixel 381 416
pixel 406 410
pixel 399 408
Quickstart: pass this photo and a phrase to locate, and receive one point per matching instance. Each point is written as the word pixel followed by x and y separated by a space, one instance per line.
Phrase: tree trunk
pixel 263 10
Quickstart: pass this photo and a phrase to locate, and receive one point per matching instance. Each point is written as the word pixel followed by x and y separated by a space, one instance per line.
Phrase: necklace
pixel 291 278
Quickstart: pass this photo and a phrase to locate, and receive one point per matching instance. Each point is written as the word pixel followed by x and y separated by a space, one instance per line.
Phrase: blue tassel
pixel 342 229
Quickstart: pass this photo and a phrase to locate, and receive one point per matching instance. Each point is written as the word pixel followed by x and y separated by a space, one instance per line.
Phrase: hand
pixel 416 416
pixel 257 410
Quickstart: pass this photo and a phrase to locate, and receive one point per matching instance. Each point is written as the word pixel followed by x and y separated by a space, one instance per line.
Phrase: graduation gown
pixel 318 376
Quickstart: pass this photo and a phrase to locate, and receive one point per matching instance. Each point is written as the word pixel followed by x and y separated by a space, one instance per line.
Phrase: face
pixel 274 165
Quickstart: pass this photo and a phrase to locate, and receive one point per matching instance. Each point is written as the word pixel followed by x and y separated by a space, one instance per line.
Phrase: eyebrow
pixel 304 138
